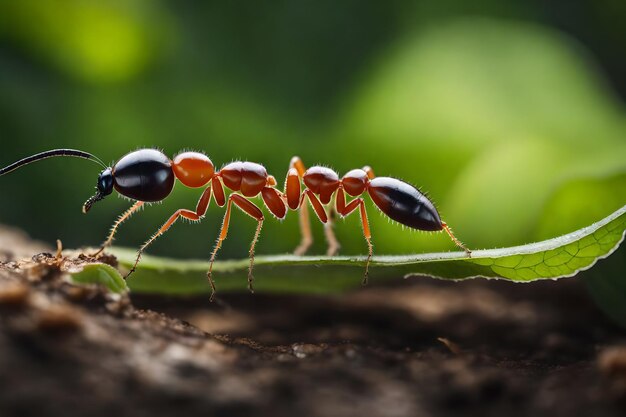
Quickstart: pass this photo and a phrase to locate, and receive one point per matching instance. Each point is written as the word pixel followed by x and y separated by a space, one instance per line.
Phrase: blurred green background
pixel 509 113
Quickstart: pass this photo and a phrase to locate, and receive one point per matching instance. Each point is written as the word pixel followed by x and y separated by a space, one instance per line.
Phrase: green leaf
pixel 550 259
pixel 101 274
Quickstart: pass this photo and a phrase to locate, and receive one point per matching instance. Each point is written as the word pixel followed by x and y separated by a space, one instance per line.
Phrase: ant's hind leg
pixel 253 211
pixel 368 238
pixel 344 210
pixel 121 219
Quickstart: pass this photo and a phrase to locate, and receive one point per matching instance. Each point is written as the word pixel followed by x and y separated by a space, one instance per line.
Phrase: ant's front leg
pixel 116 225
pixel 201 208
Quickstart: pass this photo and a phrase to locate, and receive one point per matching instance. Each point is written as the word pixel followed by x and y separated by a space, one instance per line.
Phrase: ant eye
pixel 105 182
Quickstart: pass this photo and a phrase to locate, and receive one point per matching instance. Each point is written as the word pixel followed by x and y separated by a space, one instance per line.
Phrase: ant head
pixel 104 187
pixel 105 182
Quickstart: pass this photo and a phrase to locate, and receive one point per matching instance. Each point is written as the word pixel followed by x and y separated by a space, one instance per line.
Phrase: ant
pixel 148 175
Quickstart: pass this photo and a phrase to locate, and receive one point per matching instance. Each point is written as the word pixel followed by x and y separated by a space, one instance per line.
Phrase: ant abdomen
pixel 404 203
pixel 144 175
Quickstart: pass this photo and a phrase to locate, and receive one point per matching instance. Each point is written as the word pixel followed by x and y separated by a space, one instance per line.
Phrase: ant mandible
pixel 148 175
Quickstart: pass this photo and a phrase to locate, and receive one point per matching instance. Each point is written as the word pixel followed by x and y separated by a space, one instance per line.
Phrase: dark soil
pixel 417 348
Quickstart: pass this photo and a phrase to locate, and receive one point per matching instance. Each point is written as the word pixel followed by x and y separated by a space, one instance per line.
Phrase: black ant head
pixel 105 182
pixel 104 187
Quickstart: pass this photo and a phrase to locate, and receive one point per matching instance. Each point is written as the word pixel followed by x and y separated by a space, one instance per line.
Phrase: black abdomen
pixel 404 203
pixel 144 175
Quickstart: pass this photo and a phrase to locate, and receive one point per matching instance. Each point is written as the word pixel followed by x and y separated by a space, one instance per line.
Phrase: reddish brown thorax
pixel 321 181
pixel 247 177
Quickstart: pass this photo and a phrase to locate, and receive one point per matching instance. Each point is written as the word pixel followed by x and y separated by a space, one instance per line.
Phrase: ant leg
pixel 305 229
pixel 305 224
pixel 274 202
pixel 331 239
pixel 455 240
pixel 292 191
pixel 201 208
pixel 297 163
pixel 255 239
pixel 344 210
pixel 368 238
pixel 369 171
pixel 315 203
pixel 253 211
pixel 218 191
pixel 116 225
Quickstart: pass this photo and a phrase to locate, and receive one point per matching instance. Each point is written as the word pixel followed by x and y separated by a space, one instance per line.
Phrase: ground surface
pixel 418 348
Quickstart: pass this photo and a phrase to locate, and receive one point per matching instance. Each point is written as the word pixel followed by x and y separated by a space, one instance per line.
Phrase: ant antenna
pixel 50 154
